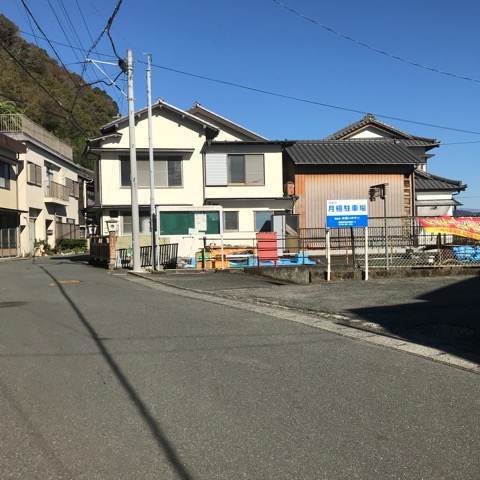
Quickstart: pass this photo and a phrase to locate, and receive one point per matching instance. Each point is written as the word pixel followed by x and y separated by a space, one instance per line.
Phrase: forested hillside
pixel 19 92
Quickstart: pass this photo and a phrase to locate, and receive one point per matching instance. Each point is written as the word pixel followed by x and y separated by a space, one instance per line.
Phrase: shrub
pixel 68 245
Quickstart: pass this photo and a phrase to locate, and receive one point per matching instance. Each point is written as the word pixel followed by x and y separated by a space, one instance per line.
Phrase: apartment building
pixel 50 187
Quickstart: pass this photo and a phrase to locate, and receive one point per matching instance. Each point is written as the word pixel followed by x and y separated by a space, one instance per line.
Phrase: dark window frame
pixel 225 229
pixel 37 181
pixel 6 166
pixel 245 182
pixel 125 174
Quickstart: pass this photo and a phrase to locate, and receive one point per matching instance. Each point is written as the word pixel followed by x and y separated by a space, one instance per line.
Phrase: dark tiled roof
pixel 370 119
pixel 355 152
pixel 427 181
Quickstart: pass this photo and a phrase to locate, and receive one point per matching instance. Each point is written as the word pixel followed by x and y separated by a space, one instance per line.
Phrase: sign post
pixel 329 265
pixel 366 253
pixel 347 214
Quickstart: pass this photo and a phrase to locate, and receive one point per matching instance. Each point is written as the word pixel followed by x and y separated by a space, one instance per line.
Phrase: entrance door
pixel 31 234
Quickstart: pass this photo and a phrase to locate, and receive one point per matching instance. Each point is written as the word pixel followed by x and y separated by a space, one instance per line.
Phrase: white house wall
pixel 33 196
pixel 273 187
pixel 167 134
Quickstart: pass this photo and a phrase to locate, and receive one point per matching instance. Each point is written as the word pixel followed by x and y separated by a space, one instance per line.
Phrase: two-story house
pixel 211 174
pixel 50 186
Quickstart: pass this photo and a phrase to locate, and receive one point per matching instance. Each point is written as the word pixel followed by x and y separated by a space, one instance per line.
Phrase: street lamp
pixel 112 225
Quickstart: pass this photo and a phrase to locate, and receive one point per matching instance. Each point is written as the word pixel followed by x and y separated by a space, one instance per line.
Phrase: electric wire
pixel 310 101
pixel 27 8
pixel 367 46
pixel 71 118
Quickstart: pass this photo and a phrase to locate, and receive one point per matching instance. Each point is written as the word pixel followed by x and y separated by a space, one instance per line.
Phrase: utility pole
pixel 133 166
pixel 153 218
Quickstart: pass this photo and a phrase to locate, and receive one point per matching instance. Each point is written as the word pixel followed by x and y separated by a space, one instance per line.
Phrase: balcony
pixel 21 128
pixel 56 193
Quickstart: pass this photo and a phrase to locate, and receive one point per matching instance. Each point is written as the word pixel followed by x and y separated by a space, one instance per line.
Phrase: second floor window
pixel 234 169
pixel 168 172
pixel 72 187
pixel 4 175
pixel 34 174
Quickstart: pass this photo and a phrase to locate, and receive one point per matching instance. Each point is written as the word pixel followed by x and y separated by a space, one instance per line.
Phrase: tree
pixel 93 108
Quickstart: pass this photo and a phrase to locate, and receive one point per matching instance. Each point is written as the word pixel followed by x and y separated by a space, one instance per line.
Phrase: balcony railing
pixel 17 123
pixel 57 191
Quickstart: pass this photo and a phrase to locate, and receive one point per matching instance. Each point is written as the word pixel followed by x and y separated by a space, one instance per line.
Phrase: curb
pixel 331 322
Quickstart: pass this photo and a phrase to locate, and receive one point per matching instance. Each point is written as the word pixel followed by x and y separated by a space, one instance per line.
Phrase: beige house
pixel 211 175
pixel 9 212
pixel 50 188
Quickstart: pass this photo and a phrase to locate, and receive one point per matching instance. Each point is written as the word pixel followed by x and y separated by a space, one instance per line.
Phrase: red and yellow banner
pixel 462 226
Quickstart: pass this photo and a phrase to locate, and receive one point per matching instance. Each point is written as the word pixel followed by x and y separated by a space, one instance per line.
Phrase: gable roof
pixel 201 111
pixel 369 120
pixel 354 152
pixel 426 181
pixel 158 105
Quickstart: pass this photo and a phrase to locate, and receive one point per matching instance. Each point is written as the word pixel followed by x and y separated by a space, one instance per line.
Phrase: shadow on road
pixel 448 319
pixel 159 436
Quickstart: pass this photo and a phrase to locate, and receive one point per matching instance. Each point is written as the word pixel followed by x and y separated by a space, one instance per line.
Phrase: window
pixel 263 221
pixel 34 174
pixel 236 169
pixel 4 175
pixel 144 223
pixel 167 172
pixel 72 187
pixel 230 221
pixel 222 169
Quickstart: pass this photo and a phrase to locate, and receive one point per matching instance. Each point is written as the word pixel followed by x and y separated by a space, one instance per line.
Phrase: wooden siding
pixel 314 190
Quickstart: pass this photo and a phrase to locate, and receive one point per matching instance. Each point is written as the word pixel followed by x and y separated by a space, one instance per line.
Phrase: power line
pixel 367 46
pixel 71 118
pixel 29 23
pixel 24 3
pixel 63 30
pixel 106 30
pixel 312 102
pixel 290 97
pixel 90 36
pixel 56 42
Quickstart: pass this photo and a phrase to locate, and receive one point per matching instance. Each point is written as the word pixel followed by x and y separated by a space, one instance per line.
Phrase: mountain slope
pixel 93 108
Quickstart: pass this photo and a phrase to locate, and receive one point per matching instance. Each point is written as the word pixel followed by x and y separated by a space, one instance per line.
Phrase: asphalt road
pixel 102 378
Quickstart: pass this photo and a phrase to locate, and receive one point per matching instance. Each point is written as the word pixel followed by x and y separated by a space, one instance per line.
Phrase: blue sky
pixel 256 43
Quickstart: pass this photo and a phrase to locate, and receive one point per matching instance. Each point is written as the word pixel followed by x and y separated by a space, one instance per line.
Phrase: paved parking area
pixel 438 312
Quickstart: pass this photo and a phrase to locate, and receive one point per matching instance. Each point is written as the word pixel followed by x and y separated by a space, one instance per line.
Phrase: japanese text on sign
pixel 347 213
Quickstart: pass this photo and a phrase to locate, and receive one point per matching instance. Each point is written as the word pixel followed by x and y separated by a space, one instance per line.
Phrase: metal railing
pixel 57 191
pixel 167 255
pixel 8 242
pixel 398 242
pixel 19 123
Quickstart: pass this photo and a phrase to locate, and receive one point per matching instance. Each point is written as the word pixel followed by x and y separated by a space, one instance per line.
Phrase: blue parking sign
pixel 347 213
